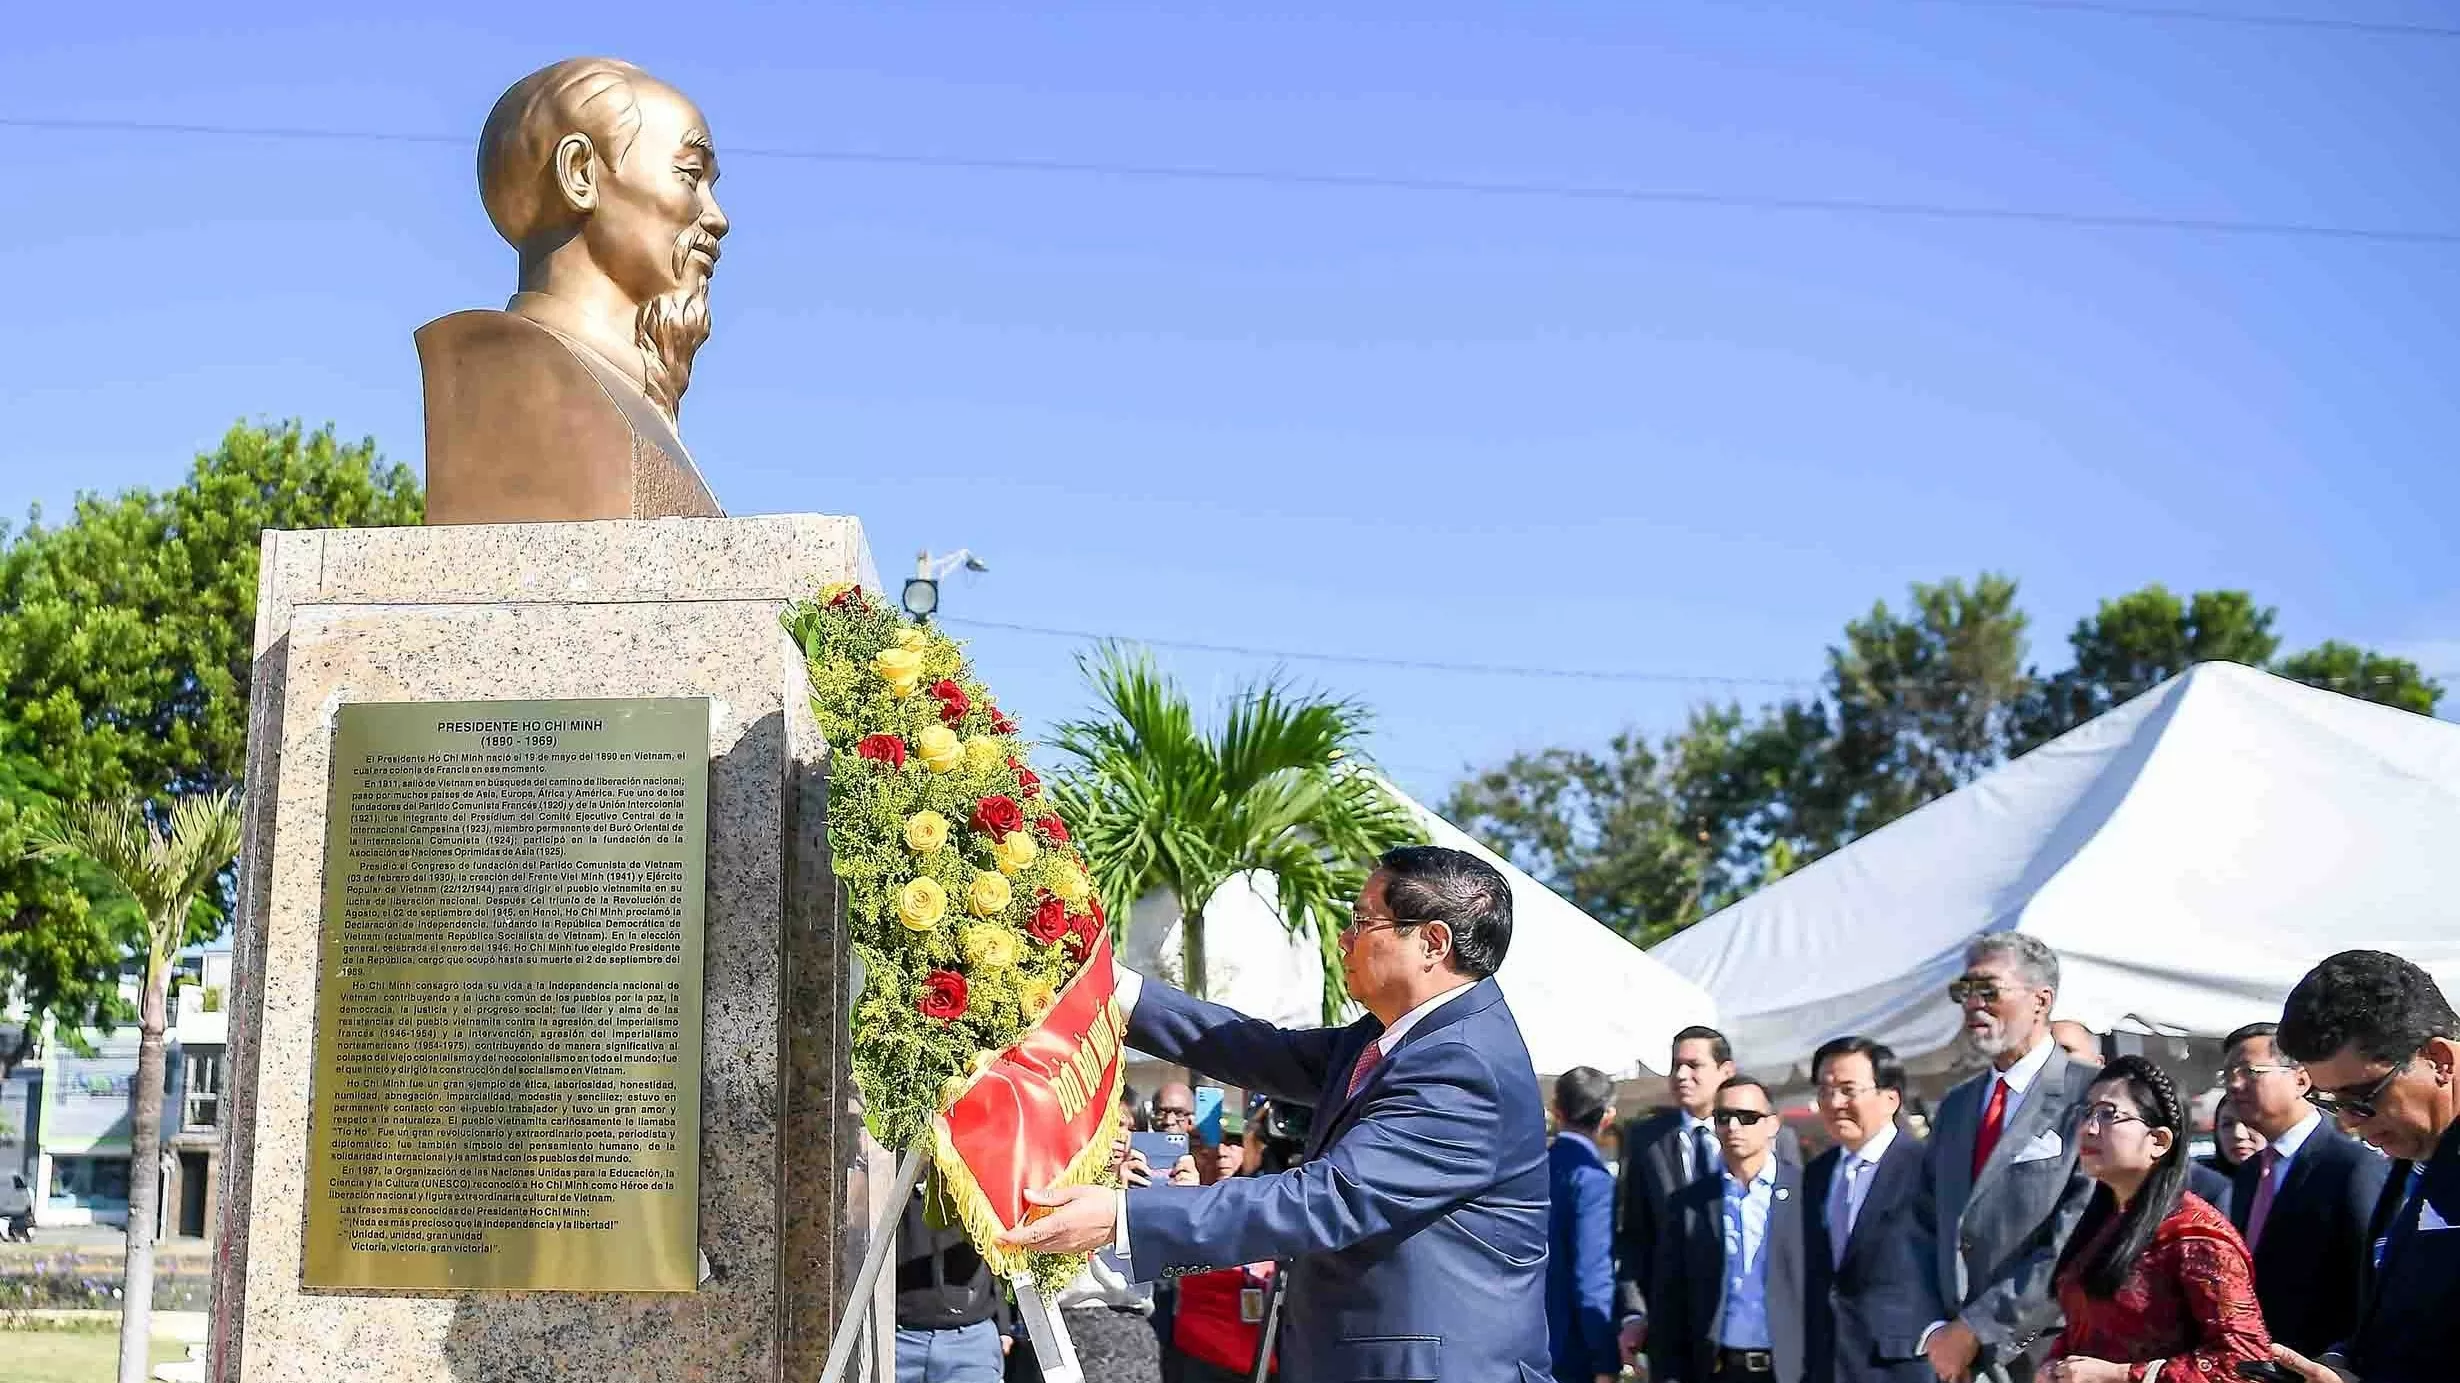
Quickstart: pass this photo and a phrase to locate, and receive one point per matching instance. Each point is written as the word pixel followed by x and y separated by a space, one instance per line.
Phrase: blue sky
pixel 1522 430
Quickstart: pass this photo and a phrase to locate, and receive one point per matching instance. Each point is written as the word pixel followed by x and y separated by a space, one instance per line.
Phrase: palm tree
pixel 1163 805
pixel 165 862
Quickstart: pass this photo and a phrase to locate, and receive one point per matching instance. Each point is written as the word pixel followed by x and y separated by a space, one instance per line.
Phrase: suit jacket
pixel 2317 1252
pixel 1994 1240
pixel 1580 1317
pixel 1850 1306
pixel 2215 1186
pixel 2409 1331
pixel 1416 1228
pixel 1655 1166
pixel 1691 1282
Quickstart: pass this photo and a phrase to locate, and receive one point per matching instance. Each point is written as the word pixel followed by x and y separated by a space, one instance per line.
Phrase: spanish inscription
pixel 508 1019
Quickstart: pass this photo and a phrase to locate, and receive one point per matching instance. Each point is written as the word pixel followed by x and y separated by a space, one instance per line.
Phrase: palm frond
pixel 164 861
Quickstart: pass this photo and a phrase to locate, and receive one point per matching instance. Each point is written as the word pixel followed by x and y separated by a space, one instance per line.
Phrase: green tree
pixel 2364 674
pixel 126 644
pixel 2135 642
pixel 1165 805
pixel 165 868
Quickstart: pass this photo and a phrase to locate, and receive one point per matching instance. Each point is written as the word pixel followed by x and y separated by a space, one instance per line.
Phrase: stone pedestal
pixel 669 607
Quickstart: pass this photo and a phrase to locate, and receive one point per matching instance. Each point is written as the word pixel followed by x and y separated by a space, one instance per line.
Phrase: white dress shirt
pixel 2286 1146
pixel 1852 1177
pixel 1130 987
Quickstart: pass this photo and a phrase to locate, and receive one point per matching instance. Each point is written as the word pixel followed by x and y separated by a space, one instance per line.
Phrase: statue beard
pixel 670 327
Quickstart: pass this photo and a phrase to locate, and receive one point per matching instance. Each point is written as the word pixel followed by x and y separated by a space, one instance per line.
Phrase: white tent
pixel 2189 855
pixel 1583 995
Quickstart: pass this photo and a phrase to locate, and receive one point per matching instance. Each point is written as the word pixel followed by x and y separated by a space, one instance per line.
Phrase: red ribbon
pixel 1046 1101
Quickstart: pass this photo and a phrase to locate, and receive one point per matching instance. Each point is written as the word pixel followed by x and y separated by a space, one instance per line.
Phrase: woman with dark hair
pixel 2155 1282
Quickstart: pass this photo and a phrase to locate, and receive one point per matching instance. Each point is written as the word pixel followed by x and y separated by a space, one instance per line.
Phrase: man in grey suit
pixel 1729 1281
pixel 2000 1187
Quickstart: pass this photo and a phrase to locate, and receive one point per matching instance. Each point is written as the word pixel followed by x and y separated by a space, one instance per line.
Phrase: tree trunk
pixel 145 1175
pixel 1191 948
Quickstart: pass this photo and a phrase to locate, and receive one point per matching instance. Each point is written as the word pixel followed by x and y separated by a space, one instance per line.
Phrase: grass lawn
pixel 69 1356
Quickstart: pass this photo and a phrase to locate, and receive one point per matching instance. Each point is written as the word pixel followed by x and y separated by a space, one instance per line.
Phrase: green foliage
pixel 126 641
pixel 1163 804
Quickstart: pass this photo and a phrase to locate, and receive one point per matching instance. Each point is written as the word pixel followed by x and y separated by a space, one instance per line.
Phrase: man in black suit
pixel 2303 1203
pixel 1729 1281
pixel 1855 1200
pixel 2382 1047
pixel 1662 1154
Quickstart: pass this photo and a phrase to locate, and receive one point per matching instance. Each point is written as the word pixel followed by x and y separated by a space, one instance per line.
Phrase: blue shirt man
pixel 1747 1203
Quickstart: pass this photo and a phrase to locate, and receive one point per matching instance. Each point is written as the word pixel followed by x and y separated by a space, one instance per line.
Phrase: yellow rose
pixel 913 640
pixel 926 832
pixel 834 589
pixel 1070 883
pixel 988 946
pixel 939 748
pixel 983 753
pixel 1015 851
pixel 921 904
pixel 988 895
pixel 898 667
pixel 902 689
pixel 1035 997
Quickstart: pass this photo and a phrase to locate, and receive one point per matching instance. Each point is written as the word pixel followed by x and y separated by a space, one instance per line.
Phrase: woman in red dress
pixel 2155 1282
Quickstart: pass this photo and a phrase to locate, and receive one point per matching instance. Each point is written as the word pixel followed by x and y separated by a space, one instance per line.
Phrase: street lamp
pixel 922 589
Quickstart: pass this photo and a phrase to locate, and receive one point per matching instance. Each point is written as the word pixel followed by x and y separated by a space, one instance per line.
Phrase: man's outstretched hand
pixel 1082 1219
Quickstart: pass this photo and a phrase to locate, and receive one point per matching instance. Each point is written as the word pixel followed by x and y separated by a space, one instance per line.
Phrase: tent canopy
pixel 2189 855
pixel 1583 995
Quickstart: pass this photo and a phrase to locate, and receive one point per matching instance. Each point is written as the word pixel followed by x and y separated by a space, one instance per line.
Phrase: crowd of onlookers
pixel 2053 1223
pixel 2047 1219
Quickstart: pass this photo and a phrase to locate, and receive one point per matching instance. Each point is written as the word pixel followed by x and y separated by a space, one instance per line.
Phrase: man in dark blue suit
pixel 1416 1227
pixel 2382 1047
pixel 2304 1202
pixel 1857 1202
pixel 1729 1282
pixel 1580 1324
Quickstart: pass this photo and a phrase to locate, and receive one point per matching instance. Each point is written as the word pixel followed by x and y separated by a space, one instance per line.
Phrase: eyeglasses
pixel 1173 1112
pixel 2249 1070
pixel 2108 1116
pixel 2337 1105
pixel 1844 1092
pixel 1744 1117
pixel 1967 991
pixel 1359 926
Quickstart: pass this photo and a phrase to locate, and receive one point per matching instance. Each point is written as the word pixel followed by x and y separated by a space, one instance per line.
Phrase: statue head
pixel 603 177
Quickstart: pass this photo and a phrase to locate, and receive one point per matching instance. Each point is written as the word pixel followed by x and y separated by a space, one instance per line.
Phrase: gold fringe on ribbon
pixel 974 1208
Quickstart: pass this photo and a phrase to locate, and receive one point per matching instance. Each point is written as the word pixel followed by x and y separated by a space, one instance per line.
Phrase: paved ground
pixel 88 1241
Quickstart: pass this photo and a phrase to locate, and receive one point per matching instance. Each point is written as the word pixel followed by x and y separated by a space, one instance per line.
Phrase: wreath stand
pixel 1042 1324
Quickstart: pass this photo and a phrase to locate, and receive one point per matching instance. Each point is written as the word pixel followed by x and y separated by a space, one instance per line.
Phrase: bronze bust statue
pixel 563 405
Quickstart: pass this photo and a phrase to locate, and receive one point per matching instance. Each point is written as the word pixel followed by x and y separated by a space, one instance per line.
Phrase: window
pixel 202 1071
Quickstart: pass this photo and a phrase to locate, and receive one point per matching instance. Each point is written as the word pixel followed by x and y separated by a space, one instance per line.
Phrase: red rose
pixel 997 816
pixel 1050 921
pixel 1085 926
pixel 943 996
pixel 1025 779
pixel 1000 723
pixel 953 704
pixel 888 749
pixel 1053 830
pixel 851 595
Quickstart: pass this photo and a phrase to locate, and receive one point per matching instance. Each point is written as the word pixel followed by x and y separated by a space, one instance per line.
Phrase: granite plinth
pixel 670 607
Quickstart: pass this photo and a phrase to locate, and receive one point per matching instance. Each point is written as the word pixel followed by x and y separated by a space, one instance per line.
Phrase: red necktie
pixel 1366 1062
pixel 2266 1161
pixel 1993 1115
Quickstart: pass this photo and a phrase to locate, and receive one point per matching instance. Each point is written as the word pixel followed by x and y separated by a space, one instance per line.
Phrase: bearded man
pixel 564 405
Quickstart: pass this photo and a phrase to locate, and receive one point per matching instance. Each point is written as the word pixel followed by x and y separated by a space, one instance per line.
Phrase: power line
pixel 1600 193
pixel 1521 670
pixel 2376 28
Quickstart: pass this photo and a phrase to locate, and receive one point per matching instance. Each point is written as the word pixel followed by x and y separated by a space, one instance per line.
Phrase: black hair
pixel 1581 1097
pixel 1887 1072
pixel 1433 883
pixel 1717 1045
pixel 2374 1001
pixel 2156 1098
pixel 2249 1033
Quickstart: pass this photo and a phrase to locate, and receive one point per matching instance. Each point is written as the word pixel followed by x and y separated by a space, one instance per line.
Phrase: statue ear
pixel 576 172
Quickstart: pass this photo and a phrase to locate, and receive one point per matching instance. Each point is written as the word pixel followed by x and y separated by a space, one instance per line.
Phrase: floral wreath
pixel 968 903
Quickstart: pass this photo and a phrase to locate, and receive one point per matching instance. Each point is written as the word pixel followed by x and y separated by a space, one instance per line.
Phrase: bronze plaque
pixel 508 1006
